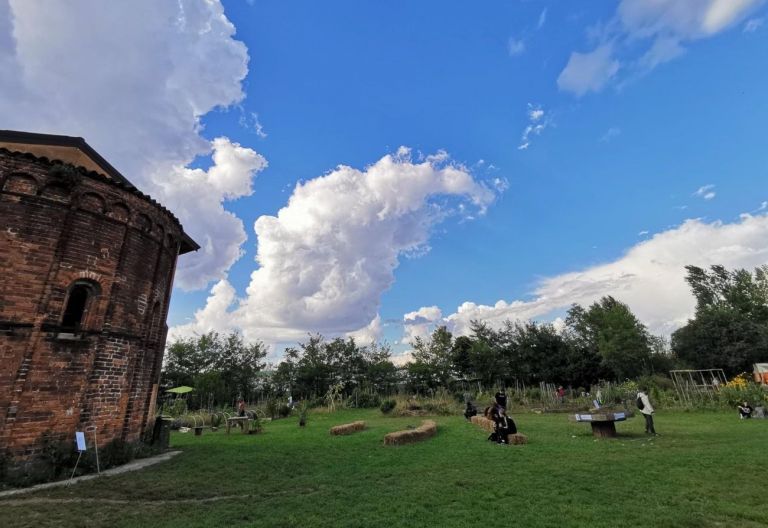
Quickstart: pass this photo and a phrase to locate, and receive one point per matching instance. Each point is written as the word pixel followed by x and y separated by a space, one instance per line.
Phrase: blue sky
pixel 632 107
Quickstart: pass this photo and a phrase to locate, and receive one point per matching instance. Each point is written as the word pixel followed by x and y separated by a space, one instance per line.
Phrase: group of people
pixel 503 424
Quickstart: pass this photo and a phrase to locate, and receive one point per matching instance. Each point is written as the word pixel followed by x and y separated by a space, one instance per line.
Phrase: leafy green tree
pixel 221 365
pixel 611 331
pixel 432 366
pixel 730 327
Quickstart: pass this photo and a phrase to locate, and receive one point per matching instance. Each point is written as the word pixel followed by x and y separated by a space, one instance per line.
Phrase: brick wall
pixel 59 228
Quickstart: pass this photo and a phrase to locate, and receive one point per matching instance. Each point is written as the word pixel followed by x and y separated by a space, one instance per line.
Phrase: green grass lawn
pixel 707 469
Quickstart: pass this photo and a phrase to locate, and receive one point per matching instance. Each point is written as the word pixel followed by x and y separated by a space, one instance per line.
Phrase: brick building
pixel 86 269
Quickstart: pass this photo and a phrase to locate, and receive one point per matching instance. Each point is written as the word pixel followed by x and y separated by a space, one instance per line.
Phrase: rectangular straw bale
pixel 517 439
pixel 349 428
pixel 483 422
pixel 427 429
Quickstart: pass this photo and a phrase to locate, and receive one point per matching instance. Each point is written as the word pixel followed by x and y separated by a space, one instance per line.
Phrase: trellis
pixel 691 384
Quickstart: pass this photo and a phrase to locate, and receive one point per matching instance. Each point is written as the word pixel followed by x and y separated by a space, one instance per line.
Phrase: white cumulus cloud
pixel 327 256
pixel 650 276
pixel 133 79
pixel 420 323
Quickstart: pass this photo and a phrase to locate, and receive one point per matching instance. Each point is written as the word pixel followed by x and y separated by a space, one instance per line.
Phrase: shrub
pixel 57 454
pixel 363 400
pixel 116 453
pixel 175 407
pixel 277 409
pixel 387 406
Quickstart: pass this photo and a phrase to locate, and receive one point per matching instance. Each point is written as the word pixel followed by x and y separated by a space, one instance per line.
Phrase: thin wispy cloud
pixel 542 19
pixel 538 121
pixel 610 134
pixel 753 24
pixel 642 34
pixel 515 46
pixel 706 192
pixel 251 122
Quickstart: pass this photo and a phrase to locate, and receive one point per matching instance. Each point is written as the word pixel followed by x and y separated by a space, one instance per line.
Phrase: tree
pixel 610 330
pixel 432 366
pixel 730 326
pixel 219 367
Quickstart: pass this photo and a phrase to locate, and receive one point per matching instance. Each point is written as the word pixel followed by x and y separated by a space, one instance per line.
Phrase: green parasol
pixel 183 389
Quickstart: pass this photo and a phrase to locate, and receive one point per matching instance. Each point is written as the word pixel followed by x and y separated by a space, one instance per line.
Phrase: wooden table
pixel 602 422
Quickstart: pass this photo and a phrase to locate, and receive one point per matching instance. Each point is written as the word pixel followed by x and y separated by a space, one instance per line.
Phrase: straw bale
pixel 427 429
pixel 517 439
pixel 483 422
pixel 349 428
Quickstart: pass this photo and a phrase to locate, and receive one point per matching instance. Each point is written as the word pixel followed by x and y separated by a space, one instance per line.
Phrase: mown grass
pixel 707 469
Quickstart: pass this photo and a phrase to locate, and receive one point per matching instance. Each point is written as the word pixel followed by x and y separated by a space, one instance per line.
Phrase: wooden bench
pixel 603 422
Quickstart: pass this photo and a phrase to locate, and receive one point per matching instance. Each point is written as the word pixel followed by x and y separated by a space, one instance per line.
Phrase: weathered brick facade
pixel 89 244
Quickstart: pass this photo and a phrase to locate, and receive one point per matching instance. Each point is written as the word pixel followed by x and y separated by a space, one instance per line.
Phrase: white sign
pixel 80 439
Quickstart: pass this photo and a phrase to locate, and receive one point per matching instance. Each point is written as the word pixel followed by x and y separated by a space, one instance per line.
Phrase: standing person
pixel 644 404
pixel 241 407
pixel 560 394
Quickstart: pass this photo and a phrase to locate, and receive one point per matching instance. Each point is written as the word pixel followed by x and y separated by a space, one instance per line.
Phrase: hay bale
pixel 518 439
pixel 483 422
pixel 349 428
pixel 427 429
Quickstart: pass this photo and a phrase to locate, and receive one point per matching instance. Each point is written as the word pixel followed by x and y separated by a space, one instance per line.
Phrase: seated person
pixel 503 425
pixel 745 410
pixel 470 411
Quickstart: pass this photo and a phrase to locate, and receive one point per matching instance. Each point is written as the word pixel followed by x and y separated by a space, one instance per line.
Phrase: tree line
pixel 602 341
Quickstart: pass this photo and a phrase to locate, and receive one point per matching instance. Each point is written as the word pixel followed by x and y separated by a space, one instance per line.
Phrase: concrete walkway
pixel 130 466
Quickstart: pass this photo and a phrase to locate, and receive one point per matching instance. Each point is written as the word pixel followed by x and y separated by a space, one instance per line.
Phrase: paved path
pixel 130 466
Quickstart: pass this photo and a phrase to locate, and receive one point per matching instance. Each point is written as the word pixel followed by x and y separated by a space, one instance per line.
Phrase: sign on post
pixel 80 440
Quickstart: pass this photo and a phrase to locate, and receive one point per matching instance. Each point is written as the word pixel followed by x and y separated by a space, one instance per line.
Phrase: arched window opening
pixel 77 305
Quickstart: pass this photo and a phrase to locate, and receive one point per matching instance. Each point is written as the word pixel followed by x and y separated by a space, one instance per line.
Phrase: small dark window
pixel 75 309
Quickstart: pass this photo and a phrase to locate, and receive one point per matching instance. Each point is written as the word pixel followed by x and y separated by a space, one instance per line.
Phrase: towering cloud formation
pixel 134 78
pixel 328 255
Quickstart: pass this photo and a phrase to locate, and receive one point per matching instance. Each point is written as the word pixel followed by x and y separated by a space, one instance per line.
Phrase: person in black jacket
pixel 503 425
pixel 470 411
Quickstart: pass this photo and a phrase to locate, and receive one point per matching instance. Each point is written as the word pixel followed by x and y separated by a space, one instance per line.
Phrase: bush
pixel 387 406
pixel 752 393
pixel 363 400
pixel 116 453
pixel 175 407
pixel 277 409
